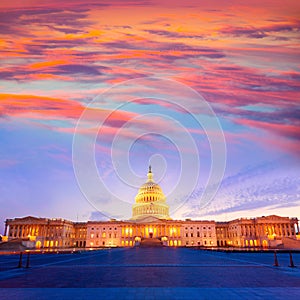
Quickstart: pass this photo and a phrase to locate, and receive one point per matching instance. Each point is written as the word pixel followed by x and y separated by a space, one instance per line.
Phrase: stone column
pixel 280 230
pixel 6 229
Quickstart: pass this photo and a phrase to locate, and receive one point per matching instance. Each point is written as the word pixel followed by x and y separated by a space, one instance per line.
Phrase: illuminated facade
pixel 151 225
pixel 270 231
pixel 46 233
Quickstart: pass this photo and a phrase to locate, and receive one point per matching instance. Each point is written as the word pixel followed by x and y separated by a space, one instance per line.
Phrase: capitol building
pixel 151 225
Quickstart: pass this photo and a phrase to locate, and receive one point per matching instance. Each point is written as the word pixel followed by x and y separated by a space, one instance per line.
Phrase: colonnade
pixel 155 230
pixel 270 229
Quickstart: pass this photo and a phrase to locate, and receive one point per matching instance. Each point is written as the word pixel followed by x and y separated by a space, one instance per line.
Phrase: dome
pixel 150 200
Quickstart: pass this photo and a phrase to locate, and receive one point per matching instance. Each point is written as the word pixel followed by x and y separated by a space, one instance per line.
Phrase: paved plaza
pixel 150 273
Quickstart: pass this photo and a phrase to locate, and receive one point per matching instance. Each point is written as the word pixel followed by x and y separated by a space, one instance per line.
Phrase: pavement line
pixel 16 272
pixel 158 265
pixel 241 260
pixel 100 253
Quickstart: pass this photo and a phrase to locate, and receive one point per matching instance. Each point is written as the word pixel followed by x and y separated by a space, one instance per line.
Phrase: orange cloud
pixel 45 64
pixel 54 108
pixel 12 104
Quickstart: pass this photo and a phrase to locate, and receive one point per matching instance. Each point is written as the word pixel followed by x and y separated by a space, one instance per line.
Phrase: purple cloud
pixel 260 32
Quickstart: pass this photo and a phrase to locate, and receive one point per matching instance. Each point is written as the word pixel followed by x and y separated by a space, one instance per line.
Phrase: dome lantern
pixel 150 175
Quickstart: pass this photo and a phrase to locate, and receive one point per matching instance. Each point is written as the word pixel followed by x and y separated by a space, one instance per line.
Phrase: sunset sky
pixel 62 59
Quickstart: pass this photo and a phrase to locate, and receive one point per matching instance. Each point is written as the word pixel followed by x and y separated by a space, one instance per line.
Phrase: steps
pixel 151 242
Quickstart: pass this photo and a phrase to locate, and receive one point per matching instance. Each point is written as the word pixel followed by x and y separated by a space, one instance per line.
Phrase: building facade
pixel 264 231
pixel 46 233
pixel 151 223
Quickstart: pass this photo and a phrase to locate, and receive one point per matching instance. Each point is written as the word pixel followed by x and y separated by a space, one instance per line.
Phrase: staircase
pixel 151 242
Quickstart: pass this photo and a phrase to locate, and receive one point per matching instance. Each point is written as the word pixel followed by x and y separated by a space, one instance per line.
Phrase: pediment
pixel 149 219
pixel 29 220
pixel 272 218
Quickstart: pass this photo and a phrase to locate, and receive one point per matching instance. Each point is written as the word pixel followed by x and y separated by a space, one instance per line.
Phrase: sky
pixel 92 92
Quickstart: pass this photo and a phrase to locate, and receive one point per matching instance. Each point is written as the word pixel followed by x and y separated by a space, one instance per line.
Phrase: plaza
pixel 151 273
